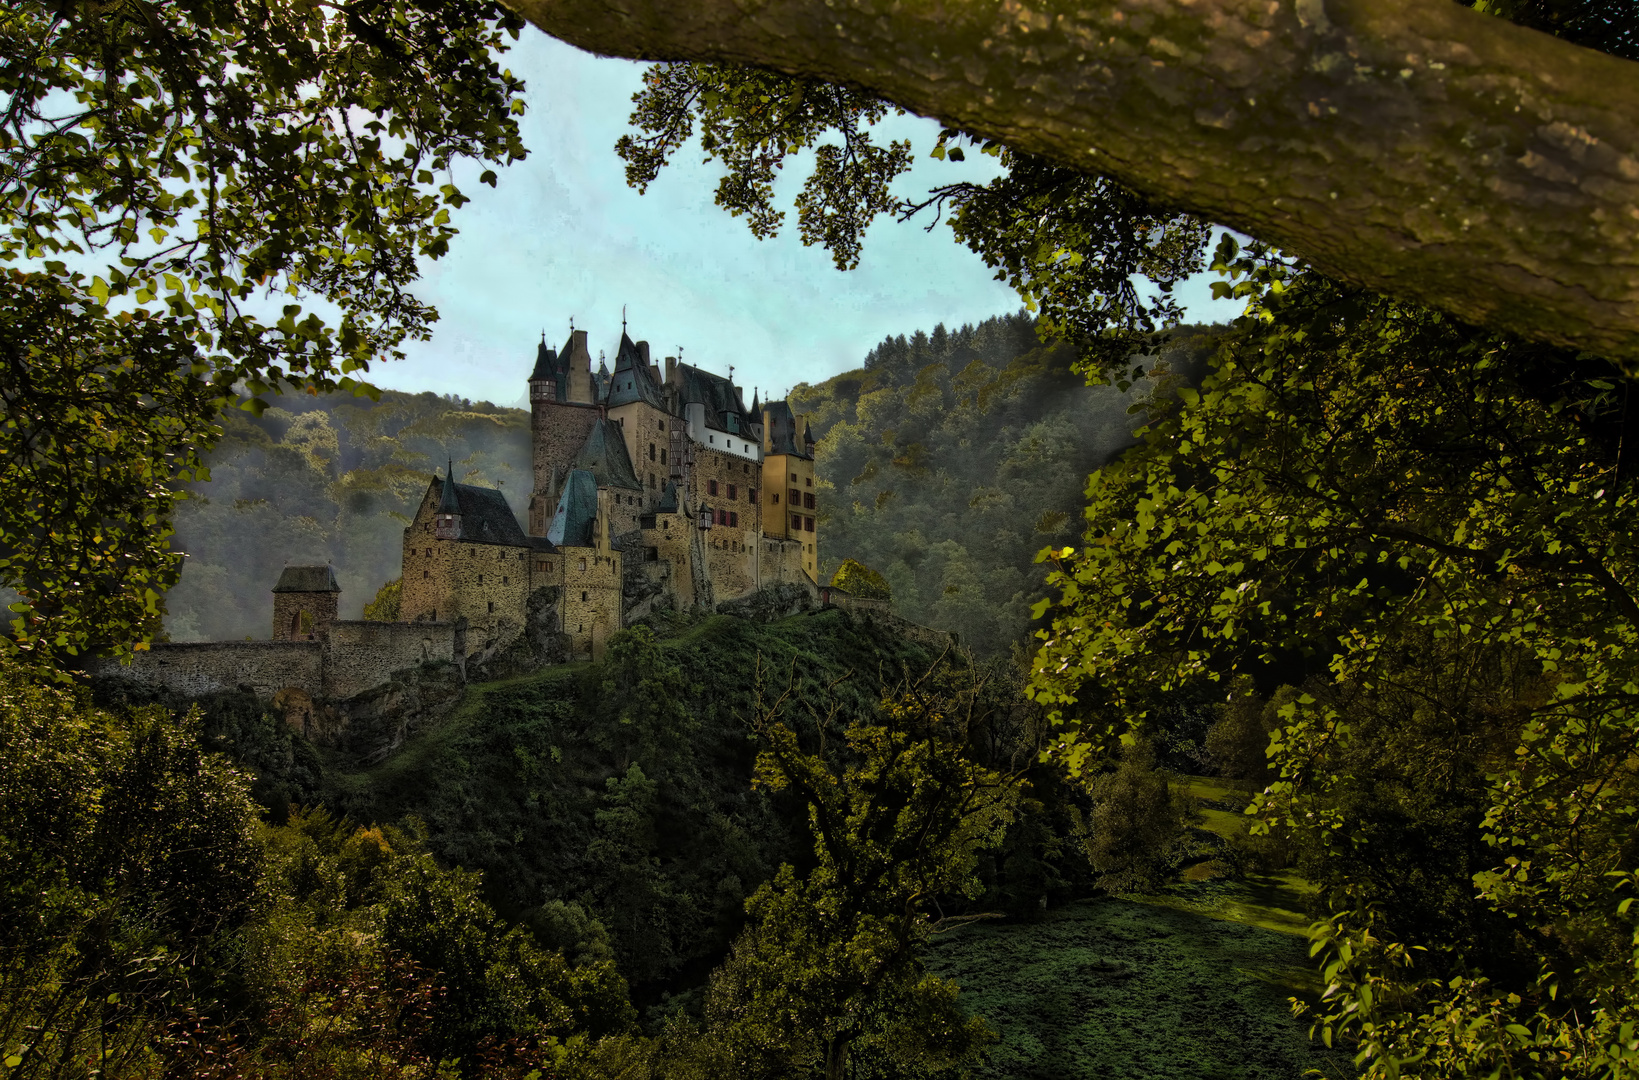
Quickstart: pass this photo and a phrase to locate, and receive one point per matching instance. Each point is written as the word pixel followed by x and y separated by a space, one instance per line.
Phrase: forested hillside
pixel 331 478
pixel 950 459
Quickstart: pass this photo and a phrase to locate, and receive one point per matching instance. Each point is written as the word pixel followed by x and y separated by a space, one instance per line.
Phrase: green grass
pixel 1124 989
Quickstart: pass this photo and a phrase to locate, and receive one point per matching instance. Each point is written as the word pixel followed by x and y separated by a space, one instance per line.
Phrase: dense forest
pixel 951 458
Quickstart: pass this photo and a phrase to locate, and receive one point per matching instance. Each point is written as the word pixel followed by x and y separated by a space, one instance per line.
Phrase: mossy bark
pixel 1419 149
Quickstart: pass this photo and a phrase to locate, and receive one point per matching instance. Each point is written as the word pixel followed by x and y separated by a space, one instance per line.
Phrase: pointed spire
pixel 449 504
pixel 756 407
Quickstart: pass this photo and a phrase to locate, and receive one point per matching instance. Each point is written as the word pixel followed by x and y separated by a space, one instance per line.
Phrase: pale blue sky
pixel 562 235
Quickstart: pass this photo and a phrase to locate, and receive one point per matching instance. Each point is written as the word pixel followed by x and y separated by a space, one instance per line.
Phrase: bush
pixel 1140 824
pixel 861 581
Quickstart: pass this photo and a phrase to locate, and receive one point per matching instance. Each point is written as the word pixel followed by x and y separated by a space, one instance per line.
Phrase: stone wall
pixel 364 654
pixel 670 539
pixel 782 562
pixel 358 656
pixel 591 599
pixel 197 668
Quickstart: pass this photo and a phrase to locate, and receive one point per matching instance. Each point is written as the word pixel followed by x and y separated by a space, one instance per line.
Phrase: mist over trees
pixel 326 479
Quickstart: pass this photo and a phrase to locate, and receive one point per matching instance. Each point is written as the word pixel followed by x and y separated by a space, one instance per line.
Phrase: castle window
pixel 733 520
pixel 473 552
pixel 713 439
pixel 651 481
pixel 810 481
pixel 425 574
pixel 796 522
pixel 651 451
pixel 662 457
pixel 583 564
pixel 492 607
pixel 793 478
pixel 808 524
pixel 796 497
pixel 776 498
pixel 583 594
pixel 713 485
pixel 503 579
pixel 808 500
pixel 731 491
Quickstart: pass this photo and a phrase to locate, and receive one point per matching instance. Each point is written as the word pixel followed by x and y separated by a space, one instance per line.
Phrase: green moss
pixel 1120 989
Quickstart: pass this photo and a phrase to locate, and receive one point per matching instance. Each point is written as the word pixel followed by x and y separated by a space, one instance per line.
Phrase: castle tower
pixel 790 501
pixel 563 408
pixel 304 603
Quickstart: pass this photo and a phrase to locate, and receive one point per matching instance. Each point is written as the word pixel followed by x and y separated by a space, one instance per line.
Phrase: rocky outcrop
pixel 542 642
pixel 375 723
pixel 771 602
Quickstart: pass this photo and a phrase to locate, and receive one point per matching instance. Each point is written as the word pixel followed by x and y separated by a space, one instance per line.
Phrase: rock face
pixel 373 724
pixel 542 642
pixel 771 602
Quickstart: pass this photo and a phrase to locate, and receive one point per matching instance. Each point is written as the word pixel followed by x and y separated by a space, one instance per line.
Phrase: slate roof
pixel 446 502
pixel 577 510
pixel 307 579
pixel 668 499
pixel 546 362
pixel 485 516
pixel 781 436
pixel 632 380
pixel 721 399
pixel 604 455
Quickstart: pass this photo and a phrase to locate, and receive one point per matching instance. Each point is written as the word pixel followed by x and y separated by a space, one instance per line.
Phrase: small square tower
pixel 304 603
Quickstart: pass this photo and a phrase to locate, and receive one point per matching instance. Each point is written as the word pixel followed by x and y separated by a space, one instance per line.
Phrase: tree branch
pixel 1419 149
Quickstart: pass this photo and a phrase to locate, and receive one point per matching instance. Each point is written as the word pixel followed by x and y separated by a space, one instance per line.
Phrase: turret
pixel 543 381
pixel 447 521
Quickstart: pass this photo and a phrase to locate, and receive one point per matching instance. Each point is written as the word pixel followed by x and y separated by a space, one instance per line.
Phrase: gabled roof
pixel 781 436
pixel 307 579
pixel 632 380
pixel 604 455
pixel 668 499
pixel 577 511
pixel 718 395
pixel 485 516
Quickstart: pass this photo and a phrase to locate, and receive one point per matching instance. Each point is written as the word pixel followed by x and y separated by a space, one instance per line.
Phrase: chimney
pixel 643 351
pixel 671 366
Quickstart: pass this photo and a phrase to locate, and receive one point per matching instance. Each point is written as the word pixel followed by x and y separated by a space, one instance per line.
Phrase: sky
pixel 561 236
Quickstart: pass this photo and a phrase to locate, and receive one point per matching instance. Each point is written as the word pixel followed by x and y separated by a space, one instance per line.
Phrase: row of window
pixel 798 521
pixel 733 491
pixel 473 552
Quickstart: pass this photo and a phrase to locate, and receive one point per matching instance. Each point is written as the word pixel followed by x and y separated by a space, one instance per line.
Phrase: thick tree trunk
pixel 1412 146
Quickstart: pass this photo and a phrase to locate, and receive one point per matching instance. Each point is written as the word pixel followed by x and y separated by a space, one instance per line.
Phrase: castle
pixel 650 489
